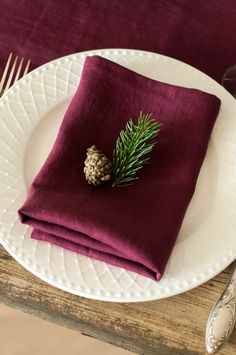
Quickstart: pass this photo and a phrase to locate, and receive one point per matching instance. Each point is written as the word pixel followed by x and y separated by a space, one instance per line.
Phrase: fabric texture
pixel 198 32
pixel 133 227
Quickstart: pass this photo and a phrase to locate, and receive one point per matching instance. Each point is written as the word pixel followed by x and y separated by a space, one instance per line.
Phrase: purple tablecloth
pixel 199 32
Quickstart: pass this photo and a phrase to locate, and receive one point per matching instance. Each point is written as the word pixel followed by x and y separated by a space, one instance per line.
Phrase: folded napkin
pixel 132 227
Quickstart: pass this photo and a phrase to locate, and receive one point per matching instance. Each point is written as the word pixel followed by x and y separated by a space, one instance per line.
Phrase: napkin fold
pixel 133 227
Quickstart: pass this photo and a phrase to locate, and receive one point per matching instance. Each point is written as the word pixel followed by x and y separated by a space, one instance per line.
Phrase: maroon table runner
pixel 199 32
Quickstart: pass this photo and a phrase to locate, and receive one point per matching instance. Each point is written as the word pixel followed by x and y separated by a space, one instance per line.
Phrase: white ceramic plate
pixel 30 115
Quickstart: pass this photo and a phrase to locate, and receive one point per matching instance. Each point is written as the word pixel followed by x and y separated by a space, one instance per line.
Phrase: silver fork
pixel 15 68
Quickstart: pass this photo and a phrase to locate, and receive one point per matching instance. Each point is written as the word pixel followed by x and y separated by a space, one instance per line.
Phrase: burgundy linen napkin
pixel 201 33
pixel 133 227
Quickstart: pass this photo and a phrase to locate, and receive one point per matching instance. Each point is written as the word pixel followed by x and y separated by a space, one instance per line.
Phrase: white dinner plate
pixel 30 115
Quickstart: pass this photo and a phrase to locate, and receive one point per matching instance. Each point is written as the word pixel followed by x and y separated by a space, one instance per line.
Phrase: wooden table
pixel 170 326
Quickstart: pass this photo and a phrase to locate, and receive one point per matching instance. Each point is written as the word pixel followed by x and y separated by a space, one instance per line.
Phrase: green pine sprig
pixel 132 146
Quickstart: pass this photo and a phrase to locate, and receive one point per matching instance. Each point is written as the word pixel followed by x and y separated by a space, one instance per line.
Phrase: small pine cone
pixel 97 167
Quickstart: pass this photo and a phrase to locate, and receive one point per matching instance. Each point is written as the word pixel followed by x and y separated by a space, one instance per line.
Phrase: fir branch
pixel 132 146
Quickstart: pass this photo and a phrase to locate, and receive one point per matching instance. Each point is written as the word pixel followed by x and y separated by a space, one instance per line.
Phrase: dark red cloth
pixel 199 32
pixel 133 227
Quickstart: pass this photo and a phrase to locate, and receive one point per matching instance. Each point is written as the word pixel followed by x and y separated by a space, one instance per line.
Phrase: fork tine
pixel 11 75
pixel 5 72
pixel 18 71
pixel 26 68
pixel 11 72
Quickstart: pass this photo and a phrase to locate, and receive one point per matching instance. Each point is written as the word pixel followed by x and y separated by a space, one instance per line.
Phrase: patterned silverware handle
pixel 222 317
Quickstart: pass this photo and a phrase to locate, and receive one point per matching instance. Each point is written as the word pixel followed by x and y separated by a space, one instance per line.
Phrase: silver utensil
pixel 229 80
pixel 14 69
pixel 222 318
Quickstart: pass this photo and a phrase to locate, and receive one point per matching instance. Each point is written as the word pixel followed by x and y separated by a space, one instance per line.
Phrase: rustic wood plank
pixel 173 326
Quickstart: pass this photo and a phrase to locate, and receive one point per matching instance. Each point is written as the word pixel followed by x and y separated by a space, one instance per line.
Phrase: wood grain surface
pixel 172 326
